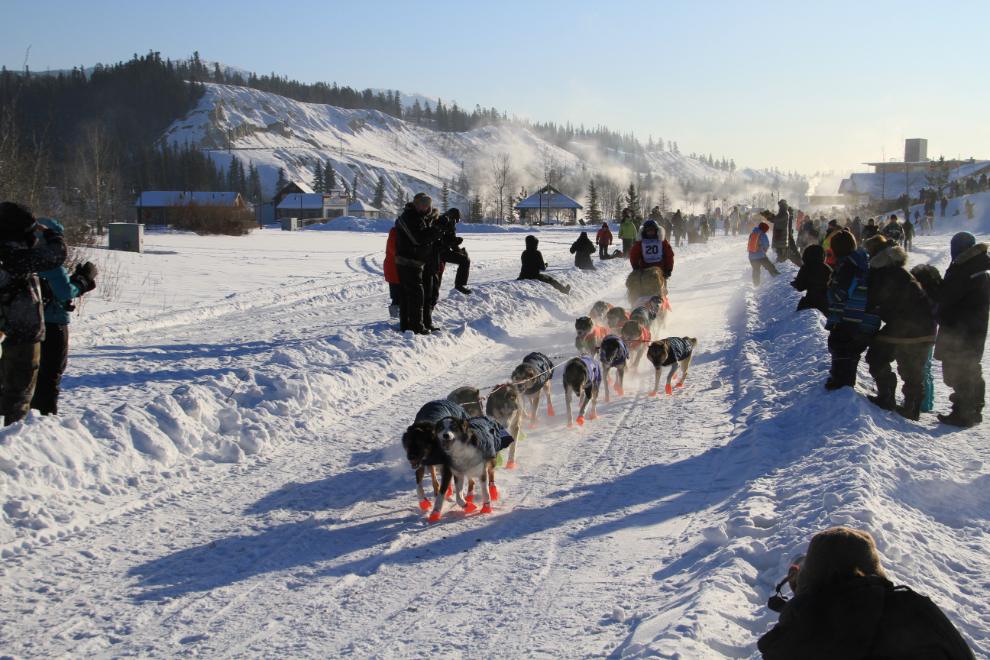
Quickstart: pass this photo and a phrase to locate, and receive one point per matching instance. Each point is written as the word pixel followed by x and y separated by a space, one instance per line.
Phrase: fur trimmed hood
pixel 661 233
pixel 975 251
pixel 893 255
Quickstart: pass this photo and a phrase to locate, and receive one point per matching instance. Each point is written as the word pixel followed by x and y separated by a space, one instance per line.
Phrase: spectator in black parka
pixel 813 279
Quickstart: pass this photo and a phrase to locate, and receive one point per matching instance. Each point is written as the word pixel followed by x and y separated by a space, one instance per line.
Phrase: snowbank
pixel 805 460
pixel 351 223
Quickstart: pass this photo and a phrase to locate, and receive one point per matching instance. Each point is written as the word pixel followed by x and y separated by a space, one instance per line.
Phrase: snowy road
pixel 657 529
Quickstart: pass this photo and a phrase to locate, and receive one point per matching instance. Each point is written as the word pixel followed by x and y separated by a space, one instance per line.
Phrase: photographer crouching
pixel 21 319
pixel 58 290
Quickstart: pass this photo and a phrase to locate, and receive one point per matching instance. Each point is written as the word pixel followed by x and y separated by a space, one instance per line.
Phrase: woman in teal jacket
pixel 58 290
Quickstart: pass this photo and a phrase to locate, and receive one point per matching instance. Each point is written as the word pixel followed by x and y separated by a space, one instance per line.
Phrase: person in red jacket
pixel 652 250
pixel 604 239
pixel 392 275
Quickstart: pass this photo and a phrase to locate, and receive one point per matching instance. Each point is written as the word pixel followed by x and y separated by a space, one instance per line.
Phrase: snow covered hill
pixel 272 132
pixel 226 479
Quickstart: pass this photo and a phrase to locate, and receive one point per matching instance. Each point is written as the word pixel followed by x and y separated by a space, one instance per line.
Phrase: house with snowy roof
pixel 152 205
pixel 292 188
pixel 313 206
pixel 548 205
pixel 360 209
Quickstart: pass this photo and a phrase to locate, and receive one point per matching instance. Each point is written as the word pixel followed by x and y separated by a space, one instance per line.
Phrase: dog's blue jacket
pixel 434 411
pixel 625 351
pixel 492 437
pixel 679 350
pixel 543 366
pixel 594 371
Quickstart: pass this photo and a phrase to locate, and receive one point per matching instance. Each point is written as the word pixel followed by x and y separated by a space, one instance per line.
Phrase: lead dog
pixel 583 376
pixel 468 398
pixel 505 404
pixel 673 352
pixel 471 446
pixel 614 354
pixel 423 451
pixel 532 378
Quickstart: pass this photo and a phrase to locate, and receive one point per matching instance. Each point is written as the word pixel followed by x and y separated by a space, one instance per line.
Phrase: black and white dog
pixel 598 312
pixel 471 446
pixel 582 376
pixel 533 378
pixel 614 354
pixel 423 451
pixel 673 352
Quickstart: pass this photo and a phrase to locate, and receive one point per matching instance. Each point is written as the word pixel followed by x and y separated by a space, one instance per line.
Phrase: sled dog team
pixel 465 442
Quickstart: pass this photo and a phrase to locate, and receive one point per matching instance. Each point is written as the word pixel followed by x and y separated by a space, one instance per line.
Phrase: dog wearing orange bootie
pixel 673 352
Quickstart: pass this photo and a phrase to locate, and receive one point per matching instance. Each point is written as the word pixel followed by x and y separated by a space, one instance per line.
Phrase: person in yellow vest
pixel 759 243
pixel 830 259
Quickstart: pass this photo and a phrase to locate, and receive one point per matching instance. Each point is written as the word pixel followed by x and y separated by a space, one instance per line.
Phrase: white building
pixel 313 206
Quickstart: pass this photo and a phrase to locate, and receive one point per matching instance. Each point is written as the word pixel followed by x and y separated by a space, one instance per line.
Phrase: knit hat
pixel 843 243
pixel 16 222
pixel 453 214
pixel 764 227
pixel 782 202
pixel 422 197
pixel 960 243
pixel 835 555
pixel 833 223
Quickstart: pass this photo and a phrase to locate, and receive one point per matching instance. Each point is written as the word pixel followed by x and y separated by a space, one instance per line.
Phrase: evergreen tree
pixel 379 200
pixel 329 178
pixel 354 187
pixel 617 212
pixel 594 212
pixel 444 198
pixel 477 213
pixel 254 183
pixel 317 184
pixel 401 200
pixel 632 200
pixel 282 181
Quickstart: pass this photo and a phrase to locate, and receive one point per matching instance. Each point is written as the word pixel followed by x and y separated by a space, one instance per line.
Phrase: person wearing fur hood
pixel 845 606
pixel 963 311
pixel 908 330
pixel 652 249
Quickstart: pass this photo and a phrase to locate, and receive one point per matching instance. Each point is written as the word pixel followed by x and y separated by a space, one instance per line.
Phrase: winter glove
pixel 458 240
pixel 84 276
pixel 667 274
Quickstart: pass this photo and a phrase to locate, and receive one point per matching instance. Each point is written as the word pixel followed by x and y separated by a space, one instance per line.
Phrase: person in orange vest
pixel 830 259
pixel 759 243
pixel 604 239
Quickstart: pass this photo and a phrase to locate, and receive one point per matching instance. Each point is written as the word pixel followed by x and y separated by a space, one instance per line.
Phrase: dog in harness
pixel 616 318
pixel 637 338
pixel 614 354
pixel 422 448
pixel 589 335
pixel 468 398
pixel 470 446
pixel 583 376
pixel 598 312
pixel 505 404
pixel 673 352
pixel 533 378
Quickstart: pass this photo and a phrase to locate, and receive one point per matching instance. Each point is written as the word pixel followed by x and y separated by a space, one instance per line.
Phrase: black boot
pixel 910 410
pixel 463 289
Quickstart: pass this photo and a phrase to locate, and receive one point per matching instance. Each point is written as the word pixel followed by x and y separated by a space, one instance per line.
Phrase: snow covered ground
pixel 226 477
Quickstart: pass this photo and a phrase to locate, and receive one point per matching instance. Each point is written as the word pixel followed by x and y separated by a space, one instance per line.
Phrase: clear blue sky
pixel 796 85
